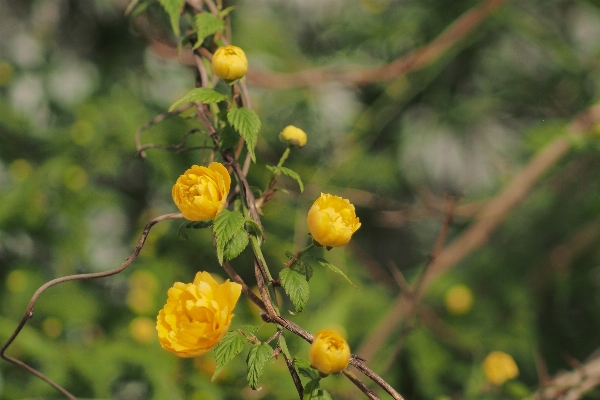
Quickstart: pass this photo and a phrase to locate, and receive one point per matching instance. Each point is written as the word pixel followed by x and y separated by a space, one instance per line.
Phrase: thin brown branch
pixel 360 384
pixel 38 293
pixel 295 377
pixel 415 60
pixel 152 122
pixel 486 221
pixel 571 385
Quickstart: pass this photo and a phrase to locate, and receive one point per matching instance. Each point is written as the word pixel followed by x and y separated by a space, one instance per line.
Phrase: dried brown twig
pixel 38 293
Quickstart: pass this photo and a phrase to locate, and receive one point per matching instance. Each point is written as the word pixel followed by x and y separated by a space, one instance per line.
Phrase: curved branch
pixel 37 294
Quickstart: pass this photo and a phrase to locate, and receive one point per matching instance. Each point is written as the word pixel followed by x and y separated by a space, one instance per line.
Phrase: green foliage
pixel 324 263
pixel 288 172
pixel 228 137
pixel 200 95
pixel 305 369
pixel 259 356
pixel 173 9
pixel 295 285
pixel 206 24
pixel 312 391
pixel 247 123
pixel 230 346
pixel 229 233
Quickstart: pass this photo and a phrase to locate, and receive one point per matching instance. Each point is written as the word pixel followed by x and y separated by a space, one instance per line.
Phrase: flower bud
pixel 459 299
pixel 229 63
pixel 200 193
pixel 197 315
pixel 329 352
pixel 292 135
pixel 332 221
pixel 499 367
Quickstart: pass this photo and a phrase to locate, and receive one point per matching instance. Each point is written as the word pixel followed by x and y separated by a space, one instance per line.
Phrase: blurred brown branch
pixel 486 221
pixel 571 385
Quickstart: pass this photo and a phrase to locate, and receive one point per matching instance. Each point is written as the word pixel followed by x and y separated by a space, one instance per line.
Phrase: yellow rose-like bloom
pixel 295 136
pixel 459 299
pixel 200 193
pixel 499 367
pixel 229 63
pixel 332 220
pixel 197 315
pixel 329 352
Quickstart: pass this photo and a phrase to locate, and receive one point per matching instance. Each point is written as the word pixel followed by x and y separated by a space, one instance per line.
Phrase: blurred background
pixel 78 79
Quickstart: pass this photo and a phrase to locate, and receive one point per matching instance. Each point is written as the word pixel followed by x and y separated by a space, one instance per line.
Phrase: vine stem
pixel 44 287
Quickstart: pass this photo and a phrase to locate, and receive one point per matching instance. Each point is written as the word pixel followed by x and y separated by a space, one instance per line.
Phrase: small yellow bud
pixel 329 352
pixel 459 299
pixel 332 220
pixel 499 367
pixel 229 63
pixel 292 135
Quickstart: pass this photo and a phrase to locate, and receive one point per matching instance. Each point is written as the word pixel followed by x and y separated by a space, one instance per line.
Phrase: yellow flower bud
pixel 499 367
pixel 197 315
pixel 332 220
pixel 229 63
pixel 329 352
pixel 200 193
pixel 292 135
pixel 459 299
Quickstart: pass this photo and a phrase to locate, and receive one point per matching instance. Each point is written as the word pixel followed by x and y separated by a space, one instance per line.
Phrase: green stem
pixel 292 263
pixel 284 157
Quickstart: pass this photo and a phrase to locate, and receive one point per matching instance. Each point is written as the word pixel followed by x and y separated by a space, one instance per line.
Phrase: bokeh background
pixel 78 79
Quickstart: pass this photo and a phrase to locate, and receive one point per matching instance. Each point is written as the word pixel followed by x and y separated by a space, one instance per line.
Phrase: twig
pixel 177 148
pixel 37 294
pixel 295 377
pixel 152 122
pixel 492 214
pixel 571 385
pixel 359 384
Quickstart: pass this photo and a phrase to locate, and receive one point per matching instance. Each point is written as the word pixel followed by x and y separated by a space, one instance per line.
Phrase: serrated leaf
pixel 332 267
pixel 173 9
pixel 230 346
pixel 247 123
pixel 310 387
pixel 199 224
pixel 258 358
pixel 206 24
pixel 296 287
pixel 320 394
pixel 305 269
pixel 226 225
pixel 225 12
pixel 201 95
pixel 286 171
pixel 305 369
pixel 249 329
pixel 228 137
pixel 235 245
pixel 289 255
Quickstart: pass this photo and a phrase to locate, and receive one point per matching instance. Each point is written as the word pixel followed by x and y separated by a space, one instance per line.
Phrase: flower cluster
pixel 197 315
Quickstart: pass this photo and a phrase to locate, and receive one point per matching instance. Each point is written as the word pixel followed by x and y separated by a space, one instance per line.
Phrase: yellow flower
pixel 459 299
pixel 292 135
pixel 499 367
pixel 197 315
pixel 229 63
pixel 332 220
pixel 329 352
pixel 200 193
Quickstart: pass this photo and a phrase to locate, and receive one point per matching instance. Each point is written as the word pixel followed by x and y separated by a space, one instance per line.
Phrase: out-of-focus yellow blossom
pixel 142 330
pixel 332 220
pixel 329 352
pixel 230 63
pixel 499 367
pixel 52 327
pixel 200 193
pixel 459 299
pixel 197 315
pixel 16 282
pixel 292 135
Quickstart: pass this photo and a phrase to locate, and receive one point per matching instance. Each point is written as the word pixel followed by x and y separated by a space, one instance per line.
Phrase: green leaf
pixel 258 357
pixel 257 230
pixel 228 137
pixel 310 387
pixel 230 346
pixel 327 264
pixel 305 369
pixel 236 245
pixel 202 95
pixel 199 224
pixel 249 329
pixel 173 8
pixel 247 123
pixel 225 12
pixel 206 24
pixel 305 269
pixel 225 227
pixel 296 287
pixel 320 394
pixel 286 171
